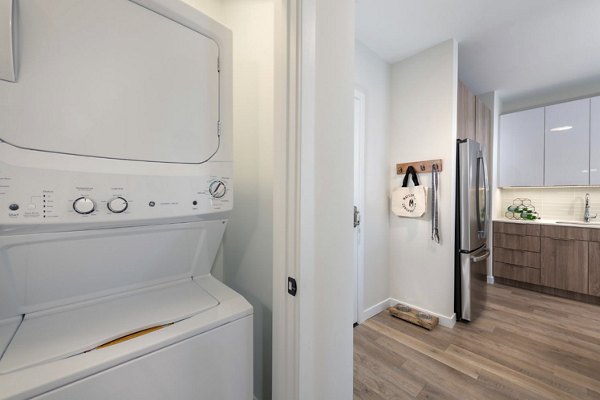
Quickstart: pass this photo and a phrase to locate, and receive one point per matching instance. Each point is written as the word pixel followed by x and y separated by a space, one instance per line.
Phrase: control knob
pixel 117 205
pixel 217 189
pixel 84 205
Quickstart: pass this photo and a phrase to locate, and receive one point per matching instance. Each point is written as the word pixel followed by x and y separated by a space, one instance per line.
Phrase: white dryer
pixel 115 191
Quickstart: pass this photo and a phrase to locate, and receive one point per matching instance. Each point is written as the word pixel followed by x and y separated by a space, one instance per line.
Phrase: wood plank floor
pixel 526 345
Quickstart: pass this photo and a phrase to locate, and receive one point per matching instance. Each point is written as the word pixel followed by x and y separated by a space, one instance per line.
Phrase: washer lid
pixel 111 79
pixel 8 327
pixel 60 334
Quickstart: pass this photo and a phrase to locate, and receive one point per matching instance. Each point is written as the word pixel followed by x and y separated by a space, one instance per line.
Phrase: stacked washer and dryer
pixel 115 191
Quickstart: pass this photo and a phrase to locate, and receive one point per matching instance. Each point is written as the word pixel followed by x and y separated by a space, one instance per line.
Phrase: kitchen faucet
pixel 586 213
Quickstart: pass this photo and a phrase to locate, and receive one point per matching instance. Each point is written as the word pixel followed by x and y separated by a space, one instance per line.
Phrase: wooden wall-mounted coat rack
pixel 420 166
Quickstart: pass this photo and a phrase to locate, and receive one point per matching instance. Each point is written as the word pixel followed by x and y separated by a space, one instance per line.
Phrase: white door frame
pixel 295 211
pixel 294 71
pixel 286 247
pixel 359 198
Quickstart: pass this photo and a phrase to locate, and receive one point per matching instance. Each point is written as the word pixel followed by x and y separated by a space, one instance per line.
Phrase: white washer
pixel 115 191
pixel 205 354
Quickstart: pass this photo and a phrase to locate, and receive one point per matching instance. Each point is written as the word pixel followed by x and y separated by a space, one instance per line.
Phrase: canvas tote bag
pixel 409 201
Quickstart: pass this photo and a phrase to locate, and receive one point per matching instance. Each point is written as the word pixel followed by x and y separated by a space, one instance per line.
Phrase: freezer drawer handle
pixel 480 256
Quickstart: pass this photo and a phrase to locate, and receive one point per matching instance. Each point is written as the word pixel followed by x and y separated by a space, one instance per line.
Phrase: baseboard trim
pixel 447 321
pixel 374 310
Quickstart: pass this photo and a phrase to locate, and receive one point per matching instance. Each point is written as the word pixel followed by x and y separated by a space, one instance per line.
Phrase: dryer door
pixel 110 79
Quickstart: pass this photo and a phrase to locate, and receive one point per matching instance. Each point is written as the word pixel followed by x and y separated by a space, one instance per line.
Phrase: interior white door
pixel 359 143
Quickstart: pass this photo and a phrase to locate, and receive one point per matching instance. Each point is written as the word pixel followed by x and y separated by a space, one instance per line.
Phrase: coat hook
pixel 418 166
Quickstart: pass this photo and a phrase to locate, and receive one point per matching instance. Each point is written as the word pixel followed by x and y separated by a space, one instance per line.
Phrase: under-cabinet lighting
pixel 561 128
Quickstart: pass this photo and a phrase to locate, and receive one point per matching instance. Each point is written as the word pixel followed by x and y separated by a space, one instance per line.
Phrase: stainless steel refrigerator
pixel 472 221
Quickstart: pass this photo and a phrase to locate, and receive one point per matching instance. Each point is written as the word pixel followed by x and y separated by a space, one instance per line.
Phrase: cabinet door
pixel 567 159
pixel 564 264
pixel 483 126
pixel 466 112
pixel 595 142
pixel 594 276
pixel 521 148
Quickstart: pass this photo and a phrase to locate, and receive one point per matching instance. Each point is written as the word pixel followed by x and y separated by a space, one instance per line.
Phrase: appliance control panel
pixel 42 196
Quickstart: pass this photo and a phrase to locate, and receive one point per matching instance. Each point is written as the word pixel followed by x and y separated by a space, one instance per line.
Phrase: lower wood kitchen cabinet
pixel 565 265
pixel 594 269
pixel 560 258
pixel 517 252
pixel 517 273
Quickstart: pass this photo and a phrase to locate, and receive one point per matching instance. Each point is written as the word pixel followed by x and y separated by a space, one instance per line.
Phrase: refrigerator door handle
pixel 481 256
pixel 486 192
pixel 480 231
pixel 482 169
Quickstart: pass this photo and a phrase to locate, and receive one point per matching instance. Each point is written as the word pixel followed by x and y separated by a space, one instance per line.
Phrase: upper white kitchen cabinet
pixel 521 148
pixel 568 143
pixel 595 142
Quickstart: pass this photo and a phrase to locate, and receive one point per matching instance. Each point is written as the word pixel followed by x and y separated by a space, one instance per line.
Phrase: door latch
pixel 292 288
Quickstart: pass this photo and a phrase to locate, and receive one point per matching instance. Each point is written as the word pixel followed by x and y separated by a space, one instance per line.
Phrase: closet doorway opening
pixel 359 202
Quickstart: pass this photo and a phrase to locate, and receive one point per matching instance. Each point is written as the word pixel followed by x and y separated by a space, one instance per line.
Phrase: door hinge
pixel 218 64
pixel 218 128
pixel 356 217
pixel 292 288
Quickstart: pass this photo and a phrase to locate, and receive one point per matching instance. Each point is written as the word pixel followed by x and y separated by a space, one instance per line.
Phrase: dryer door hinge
pixel 218 64
pixel 218 128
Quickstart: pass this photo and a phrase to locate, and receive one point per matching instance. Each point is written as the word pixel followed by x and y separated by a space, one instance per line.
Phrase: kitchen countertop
pixel 576 224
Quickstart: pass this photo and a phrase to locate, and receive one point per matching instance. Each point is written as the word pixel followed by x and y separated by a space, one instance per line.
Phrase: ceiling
pixel 518 47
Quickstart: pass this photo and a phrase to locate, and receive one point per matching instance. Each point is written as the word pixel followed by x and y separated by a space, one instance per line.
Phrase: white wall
pixel 326 190
pixel 245 261
pixel 424 116
pixel 372 76
pixel 248 243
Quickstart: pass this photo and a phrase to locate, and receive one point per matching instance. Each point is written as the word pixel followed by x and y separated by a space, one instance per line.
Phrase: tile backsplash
pixel 553 203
